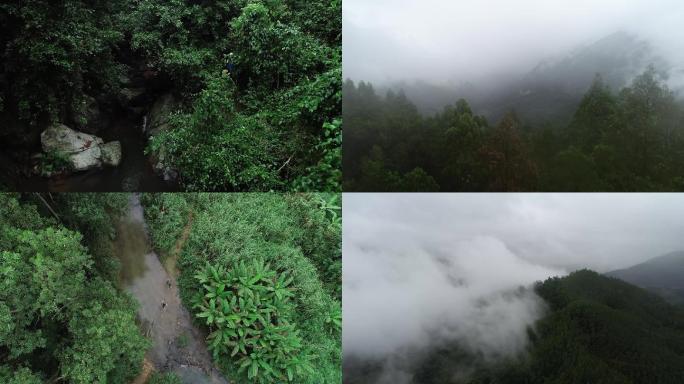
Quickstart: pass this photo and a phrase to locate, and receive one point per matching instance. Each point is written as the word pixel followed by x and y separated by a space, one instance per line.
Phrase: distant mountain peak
pixel 663 275
pixel 618 57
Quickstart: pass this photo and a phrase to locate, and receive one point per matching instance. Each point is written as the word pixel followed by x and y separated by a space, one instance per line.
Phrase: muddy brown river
pixel 177 345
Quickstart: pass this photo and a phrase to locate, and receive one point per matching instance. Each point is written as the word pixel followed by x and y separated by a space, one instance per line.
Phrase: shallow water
pixel 177 345
pixel 135 173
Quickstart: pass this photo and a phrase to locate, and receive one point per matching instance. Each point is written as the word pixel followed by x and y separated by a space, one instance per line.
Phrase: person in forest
pixel 230 63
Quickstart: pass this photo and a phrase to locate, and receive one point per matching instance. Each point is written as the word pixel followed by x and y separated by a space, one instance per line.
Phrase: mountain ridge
pixel 663 275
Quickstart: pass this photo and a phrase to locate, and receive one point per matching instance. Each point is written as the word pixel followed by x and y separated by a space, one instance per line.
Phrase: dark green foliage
pixel 257 82
pixel 630 141
pixel 58 316
pixel 327 173
pixel 602 330
pixel 240 152
pixel 54 52
pixel 298 236
pixel 91 214
pixel 170 216
pixel 248 309
pixel 597 329
pixel 263 82
pixel 54 162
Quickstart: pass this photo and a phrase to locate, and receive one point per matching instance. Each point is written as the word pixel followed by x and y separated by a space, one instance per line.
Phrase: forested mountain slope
pixel 663 275
pixel 629 140
pixel 597 330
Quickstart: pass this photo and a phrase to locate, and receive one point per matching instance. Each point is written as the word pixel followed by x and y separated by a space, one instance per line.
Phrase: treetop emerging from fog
pixel 471 40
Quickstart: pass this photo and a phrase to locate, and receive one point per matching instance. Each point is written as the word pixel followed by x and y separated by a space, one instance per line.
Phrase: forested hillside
pixel 630 139
pixel 262 274
pixel 600 329
pixel 596 330
pixel 228 95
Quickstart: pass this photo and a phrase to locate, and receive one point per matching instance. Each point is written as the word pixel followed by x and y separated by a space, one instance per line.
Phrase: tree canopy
pixel 626 141
pixel 60 315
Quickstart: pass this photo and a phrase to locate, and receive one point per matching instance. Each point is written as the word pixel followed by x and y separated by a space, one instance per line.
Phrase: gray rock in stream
pixel 157 121
pixel 158 118
pixel 84 151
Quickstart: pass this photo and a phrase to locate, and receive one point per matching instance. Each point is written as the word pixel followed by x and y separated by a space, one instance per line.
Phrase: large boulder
pixel 158 118
pixel 84 151
pixel 111 153
pixel 61 138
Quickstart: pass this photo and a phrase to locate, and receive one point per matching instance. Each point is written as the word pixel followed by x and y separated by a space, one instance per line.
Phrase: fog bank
pixel 425 269
pixel 471 40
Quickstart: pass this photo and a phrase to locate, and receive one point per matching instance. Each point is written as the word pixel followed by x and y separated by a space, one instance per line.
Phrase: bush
pixel 54 162
pixel 231 151
pixel 248 310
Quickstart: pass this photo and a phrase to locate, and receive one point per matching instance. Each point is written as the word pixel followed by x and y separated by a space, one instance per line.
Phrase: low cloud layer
pixel 421 269
pixel 470 40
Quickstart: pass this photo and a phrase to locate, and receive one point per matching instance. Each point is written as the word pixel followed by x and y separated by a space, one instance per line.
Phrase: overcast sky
pixel 466 40
pixel 420 265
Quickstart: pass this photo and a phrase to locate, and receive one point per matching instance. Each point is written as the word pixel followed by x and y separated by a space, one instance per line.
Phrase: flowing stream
pixel 177 345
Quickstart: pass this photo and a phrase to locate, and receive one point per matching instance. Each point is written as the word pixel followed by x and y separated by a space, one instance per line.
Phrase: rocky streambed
pixel 101 147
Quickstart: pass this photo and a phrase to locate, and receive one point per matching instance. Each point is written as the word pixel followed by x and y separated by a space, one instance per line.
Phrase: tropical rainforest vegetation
pixel 255 84
pixel 61 317
pixel 262 273
pixel 632 140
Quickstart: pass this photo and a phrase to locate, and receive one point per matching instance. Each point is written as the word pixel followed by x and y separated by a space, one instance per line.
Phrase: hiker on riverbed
pixel 163 305
pixel 168 283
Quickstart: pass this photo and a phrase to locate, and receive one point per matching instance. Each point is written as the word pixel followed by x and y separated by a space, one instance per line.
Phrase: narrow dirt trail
pixel 177 345
pixel 172 258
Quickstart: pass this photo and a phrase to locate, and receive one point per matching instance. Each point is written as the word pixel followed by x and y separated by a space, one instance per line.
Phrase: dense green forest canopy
pixel 61 317
pixel 632 140
pixel 277 259
pixel 600 329
pixel 597 330
pixel 256 83
pixel 260 272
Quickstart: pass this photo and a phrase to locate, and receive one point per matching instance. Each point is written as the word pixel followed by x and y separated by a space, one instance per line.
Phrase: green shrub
pixel 231 151
pixel 54 162
pixel 248 309
pixel 326 175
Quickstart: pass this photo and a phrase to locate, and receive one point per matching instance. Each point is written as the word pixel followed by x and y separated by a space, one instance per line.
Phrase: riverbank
pixel 177 345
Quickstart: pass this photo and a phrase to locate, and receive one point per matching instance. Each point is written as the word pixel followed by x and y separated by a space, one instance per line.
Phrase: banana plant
pixel 246 309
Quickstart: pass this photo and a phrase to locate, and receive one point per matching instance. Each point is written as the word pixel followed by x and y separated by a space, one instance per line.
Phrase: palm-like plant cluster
pixel 247 309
